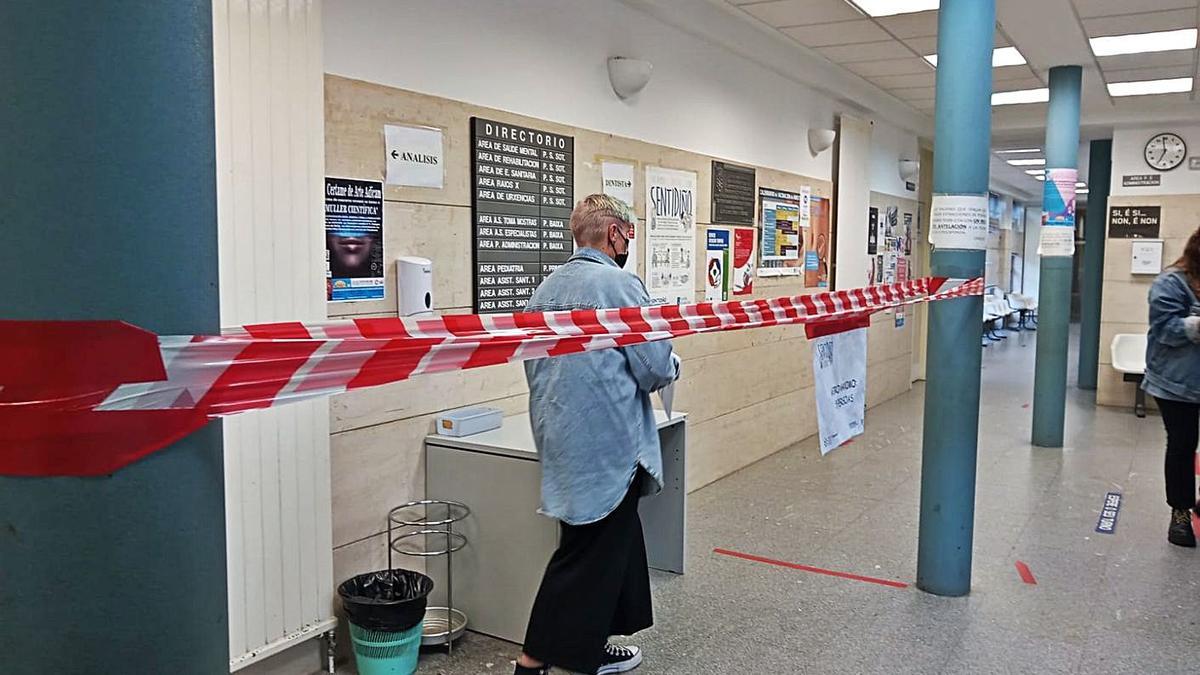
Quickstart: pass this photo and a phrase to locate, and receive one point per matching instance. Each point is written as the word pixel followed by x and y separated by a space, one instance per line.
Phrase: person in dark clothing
pixel 1173 379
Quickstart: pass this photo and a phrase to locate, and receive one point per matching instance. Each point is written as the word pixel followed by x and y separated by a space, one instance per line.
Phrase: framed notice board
pixel 522 182
pixel 732 194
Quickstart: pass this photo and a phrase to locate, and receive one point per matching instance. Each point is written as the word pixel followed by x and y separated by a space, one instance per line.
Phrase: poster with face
pixel 353 240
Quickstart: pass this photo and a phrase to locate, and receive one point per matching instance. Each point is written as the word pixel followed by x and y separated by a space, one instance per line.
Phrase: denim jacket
pixel 1173 343
pixel 591 414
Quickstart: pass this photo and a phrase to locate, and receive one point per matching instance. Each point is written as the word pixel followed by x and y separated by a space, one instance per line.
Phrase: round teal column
pixel 1054 286
pixel 109 212
pixel 1092 284
pixel 951 424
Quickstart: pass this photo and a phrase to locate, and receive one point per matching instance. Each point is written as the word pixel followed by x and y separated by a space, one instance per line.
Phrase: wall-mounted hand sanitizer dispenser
pixel 414 285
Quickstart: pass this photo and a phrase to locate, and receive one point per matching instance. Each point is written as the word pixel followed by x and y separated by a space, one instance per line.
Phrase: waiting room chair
pixel 1129 359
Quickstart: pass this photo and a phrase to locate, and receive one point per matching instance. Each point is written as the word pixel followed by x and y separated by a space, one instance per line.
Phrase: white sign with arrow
pixel 414 156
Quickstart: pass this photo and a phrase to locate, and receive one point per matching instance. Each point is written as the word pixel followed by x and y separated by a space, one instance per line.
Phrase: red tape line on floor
pixel 1026 574
pixel 810 568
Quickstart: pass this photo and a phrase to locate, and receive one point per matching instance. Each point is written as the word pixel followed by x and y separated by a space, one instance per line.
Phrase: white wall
pixel 547 59
pixel 1128 158
pixel 1033 262
pixel 853 200
pixel 889 145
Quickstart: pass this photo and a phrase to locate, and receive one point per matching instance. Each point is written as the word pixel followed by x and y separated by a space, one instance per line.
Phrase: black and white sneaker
pixel 618 659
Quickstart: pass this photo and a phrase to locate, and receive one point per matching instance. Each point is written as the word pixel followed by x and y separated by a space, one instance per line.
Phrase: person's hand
pixel 677 362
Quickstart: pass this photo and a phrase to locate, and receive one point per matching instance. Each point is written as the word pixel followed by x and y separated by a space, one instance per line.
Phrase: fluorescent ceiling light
pixel 1040 177
pixel 890 7
pixel 1027 162
pixel 1081 191
pixel 1035 172
pixel 1021 96
pixel 1003 56
pixel 1081 185
pixel 1146 87
pixel 1017 151
pixel 1141 43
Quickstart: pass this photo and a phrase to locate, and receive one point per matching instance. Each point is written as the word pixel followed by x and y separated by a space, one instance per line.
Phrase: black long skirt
pixel 596 585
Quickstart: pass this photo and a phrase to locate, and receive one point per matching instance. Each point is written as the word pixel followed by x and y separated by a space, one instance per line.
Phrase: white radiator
pixel 269 96
pixel 279 545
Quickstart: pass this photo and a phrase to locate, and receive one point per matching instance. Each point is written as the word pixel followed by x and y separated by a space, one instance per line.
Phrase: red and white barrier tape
pixel 86 398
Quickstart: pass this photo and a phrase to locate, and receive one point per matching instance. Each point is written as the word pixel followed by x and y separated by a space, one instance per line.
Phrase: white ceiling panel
pixel 1140 23
pixel 1183 57
pixel 1141 103
pixel 1161 73
pixel 928 45
pixel 1008 73
pixel 868 51
pixel 919 24
pixel 914 93
pixel 841 33
pixel 905 81
pixel 1092 8
pixel 1017 84
pixel 907 66
pixel 802 12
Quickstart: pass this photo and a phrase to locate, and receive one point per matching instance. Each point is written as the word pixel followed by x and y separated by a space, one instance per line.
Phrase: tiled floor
pixel 1122 603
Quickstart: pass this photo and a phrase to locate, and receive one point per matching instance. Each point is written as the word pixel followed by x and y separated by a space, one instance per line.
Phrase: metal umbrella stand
pixel 411 527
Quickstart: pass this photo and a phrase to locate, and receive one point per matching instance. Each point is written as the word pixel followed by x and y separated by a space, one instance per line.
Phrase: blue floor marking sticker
pixel 1109 513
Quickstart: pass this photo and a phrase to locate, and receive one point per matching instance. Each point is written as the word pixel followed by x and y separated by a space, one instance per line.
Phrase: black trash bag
pixel 388 600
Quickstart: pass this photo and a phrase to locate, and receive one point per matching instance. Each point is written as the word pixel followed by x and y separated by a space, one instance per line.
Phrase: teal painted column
pixel 1092 284
pixel 1057 249
pixel 951 423
pixel 109 212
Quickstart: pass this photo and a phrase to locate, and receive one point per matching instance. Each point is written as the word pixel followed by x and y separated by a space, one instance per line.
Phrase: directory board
pixel 522 183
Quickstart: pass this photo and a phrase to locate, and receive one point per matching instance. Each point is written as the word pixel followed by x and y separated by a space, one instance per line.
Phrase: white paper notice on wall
pixel 1056 240
pixel 617 181
pixel 840 375
pixel 959 221
pixel 1146 256
pixel 414 156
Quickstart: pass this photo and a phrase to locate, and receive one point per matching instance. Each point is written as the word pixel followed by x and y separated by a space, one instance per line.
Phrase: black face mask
pixel 622 258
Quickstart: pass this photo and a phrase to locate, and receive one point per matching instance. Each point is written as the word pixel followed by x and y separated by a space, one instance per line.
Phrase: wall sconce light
pixel 820 140
pixel 909 169
pixel 628 76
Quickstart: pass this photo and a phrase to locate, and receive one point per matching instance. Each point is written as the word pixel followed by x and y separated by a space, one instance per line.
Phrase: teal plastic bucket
pixel 380 652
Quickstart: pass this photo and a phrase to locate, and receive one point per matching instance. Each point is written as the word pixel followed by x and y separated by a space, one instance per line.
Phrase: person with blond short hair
pixel 598 443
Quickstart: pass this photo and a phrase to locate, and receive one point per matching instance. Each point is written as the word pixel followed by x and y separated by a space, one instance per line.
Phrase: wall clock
pixel 1165 151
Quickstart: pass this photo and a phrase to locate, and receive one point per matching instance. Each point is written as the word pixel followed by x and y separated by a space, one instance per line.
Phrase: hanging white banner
pixel 840 374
